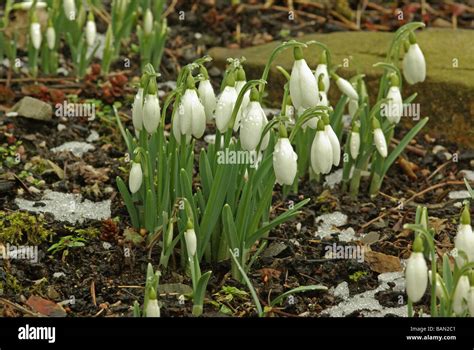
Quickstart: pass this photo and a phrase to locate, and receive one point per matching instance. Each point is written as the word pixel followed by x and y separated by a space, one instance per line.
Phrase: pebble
pixel 61 127
pixel 467 174
pixel 459 194
pixel 94 136
pixel 59 274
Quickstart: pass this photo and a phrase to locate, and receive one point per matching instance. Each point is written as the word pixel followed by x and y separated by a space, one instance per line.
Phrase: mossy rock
pixel 446 96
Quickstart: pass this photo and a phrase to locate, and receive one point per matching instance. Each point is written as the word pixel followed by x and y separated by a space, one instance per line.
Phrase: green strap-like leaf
pixel 127 198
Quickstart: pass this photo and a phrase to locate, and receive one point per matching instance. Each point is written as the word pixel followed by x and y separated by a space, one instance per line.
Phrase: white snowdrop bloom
pixel 148 22
pixel 251 127
pixel 70 9
pixel 438 288
pixel 303 84
pixel 51 37
pixel 35 35
pixel 137 111
pixel 394 107
pixel 461 294
pixel 284 162
pixel 414 65
pixel 136 177
pixel 191 113
pixel 152 308
pixel 336 147
pixel 416 276
pixel 225 105
pixel 379 140
pixel 346 88
pixel 464 240
pixel 208 98
pixel 151 109
pixel 91 31
pixel 352 107
pixel 322 70
pixel 191 242
pixel 26 5
pixel 321 151
pixel 354 145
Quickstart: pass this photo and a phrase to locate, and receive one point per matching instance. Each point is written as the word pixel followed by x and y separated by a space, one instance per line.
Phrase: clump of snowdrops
pixel 222 208
pixel 75 23
pixel 450 281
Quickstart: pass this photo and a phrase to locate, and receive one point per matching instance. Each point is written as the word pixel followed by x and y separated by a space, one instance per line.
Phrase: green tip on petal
pixel 190 82
pixel 241 74
pixel 466 216
pixel 152 88
pixel 289 102
pixel 375 123
pixel 230 79
pixel 418 244
pixel 254 95
pixel 321 125
pixel 152 294
pixel 325 119
pixel 394 81
pixel 355 127
pixel 412 38
pixel 406 45
pixel 298 53
pixel 321 86
pixel 90 17
pixel 143 81
pixel 189 224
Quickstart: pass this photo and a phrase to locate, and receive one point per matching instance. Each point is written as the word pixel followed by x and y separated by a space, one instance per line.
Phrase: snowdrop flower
pixel 191 117
pixel 151 109
pixel 225 104
pixel 70 9
pixel 137 111
pixel 148 22
pixel 464 240
pixel 303 84
pixel 393 109
pixel 252 123
pixel 91 30
pixel 51 37
pixel 26 5
pixel 460 296
pixel 414 65
pixel 346 87
pixel 322 72
pixel 136 177
pixel 284 160
pixel 379 139
pixel 152 308
pixel 321 151
pixel 35 34
pixel 416 272
pixel 191 241
pixel 207 96
pixel 335 145
pixel 352 107
pixel 439 289
pixel 354 145
pixel 239 84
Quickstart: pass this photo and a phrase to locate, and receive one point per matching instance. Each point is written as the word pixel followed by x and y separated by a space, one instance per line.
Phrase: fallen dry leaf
pixel 45 307
pixel 381 263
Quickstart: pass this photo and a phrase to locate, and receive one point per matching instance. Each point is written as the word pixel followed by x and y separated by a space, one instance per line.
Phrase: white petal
pixel 137 110
pixel 136 177
pixel 354 144
pixel 347 89
pixel 35 35
pixel 303 85
pixel 191 242
pixel 461 295
pixel 91 31
pixel 322 69
pixel 152 309
pixel 208 98
pixel 414 65
pixel 394 108
pixel 464 242
pixel 284 162
pixel 380 142
pixel 416 275
pixel 321 153
pixel 151 113
pixel 224 107
pixel 336 147
pixel 251 127
pixel 51 37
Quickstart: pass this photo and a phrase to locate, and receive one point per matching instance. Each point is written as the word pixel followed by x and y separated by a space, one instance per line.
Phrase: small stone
pixel 33 108
pixel 467 174
pixel 59 274
pixel 298 227
pixel 459 194
pixel 52 293
pixel 61 127
pixel 94 136
pixel 438 148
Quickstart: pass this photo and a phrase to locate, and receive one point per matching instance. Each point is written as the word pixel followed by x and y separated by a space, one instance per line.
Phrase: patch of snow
pixel 459 194
pixel 75 147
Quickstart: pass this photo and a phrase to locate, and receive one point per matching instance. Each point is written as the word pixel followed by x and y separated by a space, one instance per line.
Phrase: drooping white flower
pixel 352 107
pixel 137 111
pixel 225 104
pixel 354 145
pixel 284 162
pixel 379 140
pixel 321 151
pixel 151 109
pixel 439 284
pixel 208 98
pixel 26 5
pixel 335 145
pixel 303 84
pixel 322 70
pixel 416 272
pixel 136 177
pixel 346 88
pixel 414 64
pixel 191 241
pixel 464 240
pixel 252 124
pixel 91 30
pixel 35 35
pixel 51 37
pixel 460 296
pixel 394 107
pixel 152 308
pixel 70 9
pixel 148 22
